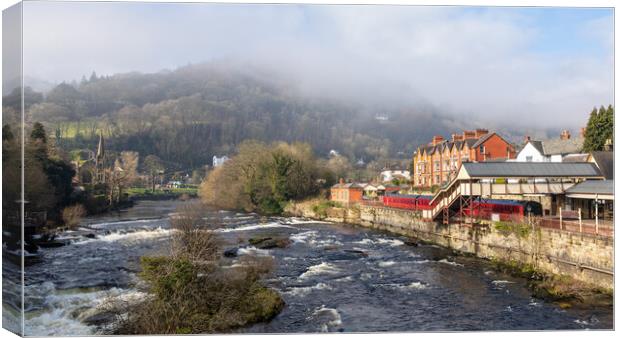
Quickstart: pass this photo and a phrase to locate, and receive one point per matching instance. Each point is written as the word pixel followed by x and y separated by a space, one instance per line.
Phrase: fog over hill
pixel 197 111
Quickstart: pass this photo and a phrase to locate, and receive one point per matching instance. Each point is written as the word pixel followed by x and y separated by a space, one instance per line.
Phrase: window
pixel 437 166
pixel 482 149
pixel 528 158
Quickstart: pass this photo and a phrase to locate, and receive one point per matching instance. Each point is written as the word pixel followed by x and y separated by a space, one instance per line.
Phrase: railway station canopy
pixel 483 170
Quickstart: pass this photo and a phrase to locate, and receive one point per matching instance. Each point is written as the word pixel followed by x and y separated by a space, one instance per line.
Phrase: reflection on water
pixel 332 277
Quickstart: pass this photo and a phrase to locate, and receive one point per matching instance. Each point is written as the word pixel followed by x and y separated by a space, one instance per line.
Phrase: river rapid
pixel 333 278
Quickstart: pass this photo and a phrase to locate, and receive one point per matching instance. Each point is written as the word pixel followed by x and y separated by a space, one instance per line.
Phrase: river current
pixel 333 278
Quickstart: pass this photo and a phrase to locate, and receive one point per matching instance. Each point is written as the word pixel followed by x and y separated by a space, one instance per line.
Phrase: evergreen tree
pixel 38 133
pixel 600 128
pixel 591 131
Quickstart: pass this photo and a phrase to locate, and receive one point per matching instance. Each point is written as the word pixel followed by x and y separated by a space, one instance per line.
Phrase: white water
pixel 320 269
pixel 255 227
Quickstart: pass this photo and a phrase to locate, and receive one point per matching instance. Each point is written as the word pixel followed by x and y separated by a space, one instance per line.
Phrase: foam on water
pixel 255 227
pixel 319 269
pixel 304 290
pixel 297 220
pixel 391 242
pixel 104 225
pixel 130 237
pixel 303 237
pixel 253 251
pixel 445 261
pixel 65 310
pixel 328 317
pixel 386 264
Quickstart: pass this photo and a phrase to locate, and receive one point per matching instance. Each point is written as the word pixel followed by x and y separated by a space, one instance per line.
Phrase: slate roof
pixel 603 187
pixel 531 169
pixel 561 147
pixel 576 158
pixel 605 162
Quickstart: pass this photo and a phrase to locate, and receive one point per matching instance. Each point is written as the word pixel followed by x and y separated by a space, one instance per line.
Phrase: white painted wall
pixel 530 151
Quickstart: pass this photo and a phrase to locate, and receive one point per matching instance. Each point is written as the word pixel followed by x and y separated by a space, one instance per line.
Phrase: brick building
pixel 438 162
pixel 346 193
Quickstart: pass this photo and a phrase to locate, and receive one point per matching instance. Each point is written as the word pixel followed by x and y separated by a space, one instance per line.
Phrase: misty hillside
pixel 190 114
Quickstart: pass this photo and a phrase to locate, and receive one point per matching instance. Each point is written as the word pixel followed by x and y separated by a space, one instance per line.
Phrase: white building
pixel 218 161
pixel 552 150
pixel 388 174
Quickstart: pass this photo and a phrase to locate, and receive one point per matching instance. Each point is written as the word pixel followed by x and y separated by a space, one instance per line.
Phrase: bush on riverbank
pixel 320 208
pixel 72 215
pixel 194 291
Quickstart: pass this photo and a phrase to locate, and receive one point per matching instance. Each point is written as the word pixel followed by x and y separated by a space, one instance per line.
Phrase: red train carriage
pixel 410 202
pixel 508 210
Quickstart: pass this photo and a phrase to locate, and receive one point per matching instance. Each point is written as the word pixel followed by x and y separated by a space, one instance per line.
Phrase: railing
pixel 588 226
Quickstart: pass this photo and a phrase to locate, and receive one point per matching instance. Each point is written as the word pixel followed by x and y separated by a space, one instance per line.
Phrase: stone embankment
pixel 582 257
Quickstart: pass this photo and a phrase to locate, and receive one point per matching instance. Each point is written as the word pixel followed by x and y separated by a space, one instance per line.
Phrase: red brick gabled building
pixel 437 162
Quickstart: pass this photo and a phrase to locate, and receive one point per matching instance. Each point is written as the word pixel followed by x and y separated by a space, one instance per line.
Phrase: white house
pixel 388 174
pixel 552 150
pixel 218 161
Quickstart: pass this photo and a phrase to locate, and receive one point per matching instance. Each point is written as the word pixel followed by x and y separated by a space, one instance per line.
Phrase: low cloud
pixel 492 64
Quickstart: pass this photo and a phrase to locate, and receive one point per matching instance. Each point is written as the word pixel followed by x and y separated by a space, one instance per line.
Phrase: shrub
pixel 192 291
pixel 72 215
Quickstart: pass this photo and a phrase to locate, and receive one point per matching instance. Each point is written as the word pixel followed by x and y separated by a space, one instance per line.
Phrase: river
pixel 326 284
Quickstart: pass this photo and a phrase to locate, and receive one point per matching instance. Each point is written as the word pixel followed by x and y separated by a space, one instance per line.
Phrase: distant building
pixel 218 161
pixel 346 193
pixel 333 153
pixel 388 174
pixel 552 150
pixel 437 162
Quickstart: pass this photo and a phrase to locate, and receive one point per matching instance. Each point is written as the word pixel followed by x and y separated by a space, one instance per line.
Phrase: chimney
pixel 582 132
pixel 437 139
pixel 527 139
pixel 564 135
pixel 469 134
pixel 481 132
pixel 457 137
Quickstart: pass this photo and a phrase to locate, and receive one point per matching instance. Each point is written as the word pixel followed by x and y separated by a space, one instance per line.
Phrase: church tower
pixel 100 161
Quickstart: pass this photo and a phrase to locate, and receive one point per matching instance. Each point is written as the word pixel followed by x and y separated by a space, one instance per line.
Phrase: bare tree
pixel 122 175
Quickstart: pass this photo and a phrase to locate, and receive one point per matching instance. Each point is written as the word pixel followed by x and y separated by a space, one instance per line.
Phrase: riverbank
pixel 570 269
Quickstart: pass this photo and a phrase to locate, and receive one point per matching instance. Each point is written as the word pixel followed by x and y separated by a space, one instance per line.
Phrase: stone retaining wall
pixel 585 257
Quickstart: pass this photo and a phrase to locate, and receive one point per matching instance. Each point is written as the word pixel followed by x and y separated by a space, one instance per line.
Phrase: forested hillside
pixel 188 115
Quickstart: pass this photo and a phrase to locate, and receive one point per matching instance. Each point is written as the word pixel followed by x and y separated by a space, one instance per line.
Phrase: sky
pixel 506 65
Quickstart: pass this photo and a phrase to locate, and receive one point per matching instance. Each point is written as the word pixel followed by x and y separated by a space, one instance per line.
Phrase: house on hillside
pixel 218 161
pixel 552 150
